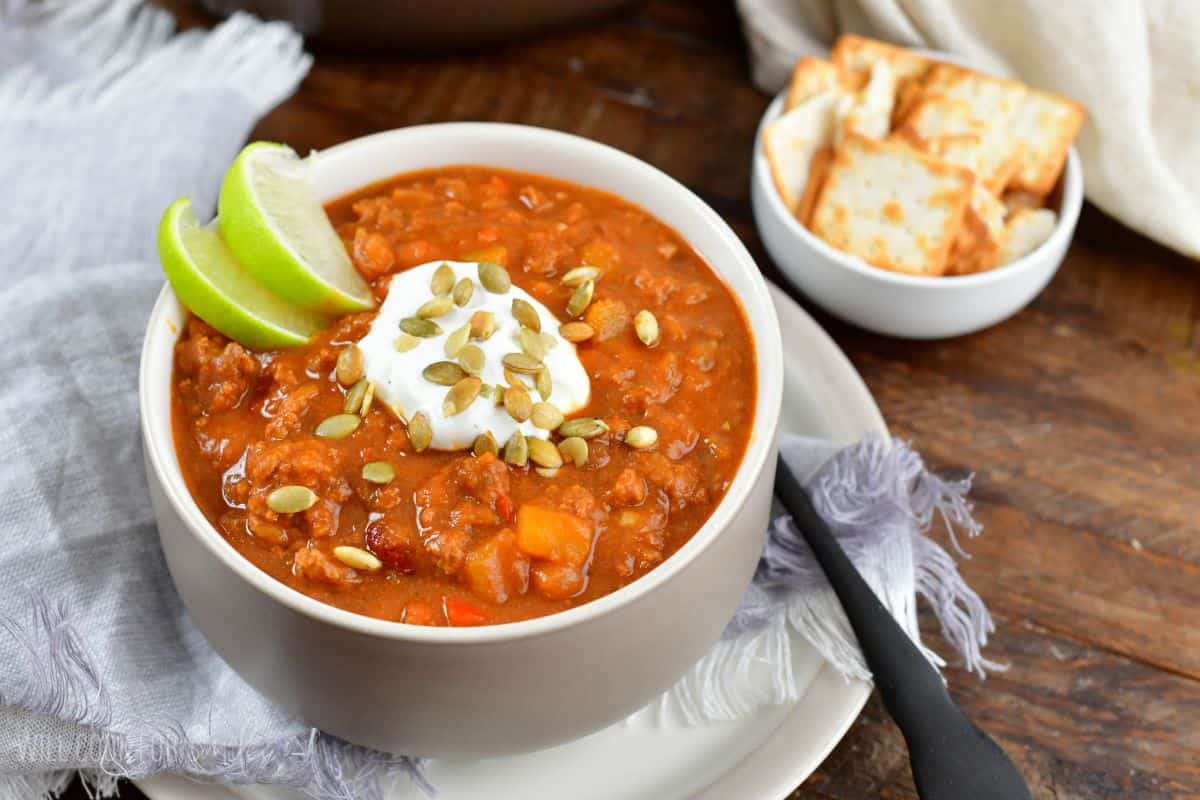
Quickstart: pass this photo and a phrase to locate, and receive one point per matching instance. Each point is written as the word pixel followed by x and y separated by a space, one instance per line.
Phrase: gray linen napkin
pixel 104 119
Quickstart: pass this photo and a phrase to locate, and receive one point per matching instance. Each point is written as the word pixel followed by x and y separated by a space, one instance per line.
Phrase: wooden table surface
pixel 1080 416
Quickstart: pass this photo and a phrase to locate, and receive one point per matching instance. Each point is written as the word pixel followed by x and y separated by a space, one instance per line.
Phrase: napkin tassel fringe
pixel 132 54
pixel 60 682
pixel 881 503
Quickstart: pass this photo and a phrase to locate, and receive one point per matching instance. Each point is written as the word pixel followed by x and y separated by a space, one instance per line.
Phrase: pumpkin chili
pixel 296 463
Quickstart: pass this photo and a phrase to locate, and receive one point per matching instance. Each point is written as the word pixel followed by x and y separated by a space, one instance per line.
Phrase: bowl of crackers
pixel 911 195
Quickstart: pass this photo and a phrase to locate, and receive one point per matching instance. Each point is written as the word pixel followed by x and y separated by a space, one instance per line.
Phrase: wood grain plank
pixel 1078 722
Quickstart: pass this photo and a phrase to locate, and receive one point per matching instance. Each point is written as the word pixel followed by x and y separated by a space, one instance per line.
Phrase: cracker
pixel 790 142
pixel 855 56
pixel 977 247
pixel 871 115
pixel 810 77
pixel 817 171
pixel 957 100
pixel 1045 125
pixel 1025 231
pixel 1015 199
pixel 892 206
pixel 961 149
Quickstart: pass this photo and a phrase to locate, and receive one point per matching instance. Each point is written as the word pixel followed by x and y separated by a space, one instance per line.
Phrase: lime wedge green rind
pixel 274 223
pixel 215 287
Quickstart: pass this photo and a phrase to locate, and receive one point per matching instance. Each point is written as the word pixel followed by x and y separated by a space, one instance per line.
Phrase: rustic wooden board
pixel 1079 416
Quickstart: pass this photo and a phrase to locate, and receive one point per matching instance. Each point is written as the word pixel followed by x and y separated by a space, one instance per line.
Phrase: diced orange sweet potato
pixel 608 318
pixel 553 535
pixel 599 253
pixel 497 254
pixel 495 570
pixel 557 581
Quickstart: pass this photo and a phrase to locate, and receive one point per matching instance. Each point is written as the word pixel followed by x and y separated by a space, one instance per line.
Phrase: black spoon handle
pixel 951 758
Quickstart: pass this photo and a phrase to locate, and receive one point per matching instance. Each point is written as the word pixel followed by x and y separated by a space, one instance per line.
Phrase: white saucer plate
pixel 766 755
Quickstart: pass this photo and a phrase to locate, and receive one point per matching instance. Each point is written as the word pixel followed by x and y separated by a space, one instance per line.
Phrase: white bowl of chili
pixel 471 692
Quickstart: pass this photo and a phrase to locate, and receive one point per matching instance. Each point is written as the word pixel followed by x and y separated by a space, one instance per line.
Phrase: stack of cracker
pixel 915 165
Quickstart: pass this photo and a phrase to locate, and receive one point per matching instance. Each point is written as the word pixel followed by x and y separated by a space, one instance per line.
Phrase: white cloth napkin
pixel 1134 65
pixel 104 119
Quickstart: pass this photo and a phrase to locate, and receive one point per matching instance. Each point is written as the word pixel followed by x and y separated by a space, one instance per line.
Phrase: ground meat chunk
pixel 288 410
pixel 629 489
pixel 448 520
pixel 318 567
pixel 681 480
pixel 640 535
pixel 304 462
pixel 221 372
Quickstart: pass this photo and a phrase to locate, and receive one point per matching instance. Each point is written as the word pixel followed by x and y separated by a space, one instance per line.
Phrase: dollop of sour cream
pixel 400 385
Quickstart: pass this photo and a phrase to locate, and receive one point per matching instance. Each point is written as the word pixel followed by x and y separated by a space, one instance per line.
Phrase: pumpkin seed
pixel 517 403
pixel 443 373
pixel 580 275
pixel 575 449
pixel 583 427
pixel 580 299
pixel 641 437
pixel 443 279
pixel 546 416
pixel 462 292
pixel 543 453
pixel 379 472
pixel 548 341
pixel 437 307
pixel 349 369
pixel 405 342
pixel 498 396
pixel 522 364
pixel 646 326
pixel 531 343
pixel 494 277
pixel 339 426
pixel 421 328
pixel 456 340
pixel 419 432
pixel 472 359
pixel 354 397
pixel 543 384
pixel 357 558
pixel 513 378
pixel 291 499
pixel 526 314
pixel 516 451
pixel 367 400
pixel 461 395
pixel 576 332
pixel 546 472
pixel 483 325
pixel 485 443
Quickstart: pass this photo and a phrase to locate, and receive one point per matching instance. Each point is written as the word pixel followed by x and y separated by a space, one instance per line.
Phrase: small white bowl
pixel 893 303
pixel 500 689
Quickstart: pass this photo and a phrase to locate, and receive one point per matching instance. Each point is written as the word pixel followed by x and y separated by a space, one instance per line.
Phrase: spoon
pixel 952 759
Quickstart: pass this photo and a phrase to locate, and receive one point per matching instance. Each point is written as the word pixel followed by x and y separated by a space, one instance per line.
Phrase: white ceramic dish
pixel 765 756
pixel 895 304
pixel 493 690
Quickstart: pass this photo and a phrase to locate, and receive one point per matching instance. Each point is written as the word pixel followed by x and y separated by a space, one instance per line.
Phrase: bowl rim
pixel 1068 213
pixel 764 326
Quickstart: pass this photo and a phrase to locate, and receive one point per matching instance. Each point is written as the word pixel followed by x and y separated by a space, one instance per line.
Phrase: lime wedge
pixel 275 226
pixel 209 281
